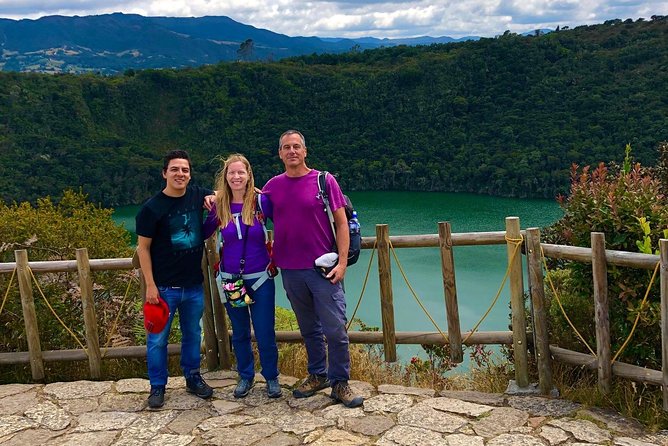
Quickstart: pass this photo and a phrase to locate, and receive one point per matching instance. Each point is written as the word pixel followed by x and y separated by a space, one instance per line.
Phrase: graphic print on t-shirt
pixel 185 230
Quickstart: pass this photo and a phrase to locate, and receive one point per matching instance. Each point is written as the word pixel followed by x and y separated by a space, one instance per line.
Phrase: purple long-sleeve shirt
pixel 257 257
pixel 302 231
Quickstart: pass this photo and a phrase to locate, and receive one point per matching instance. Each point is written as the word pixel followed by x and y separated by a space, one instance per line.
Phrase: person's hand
pixel 209 201
pixel 337 273
pixel 152 294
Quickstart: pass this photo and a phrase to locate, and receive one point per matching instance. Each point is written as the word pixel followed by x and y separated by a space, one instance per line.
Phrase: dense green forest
pixel 504 116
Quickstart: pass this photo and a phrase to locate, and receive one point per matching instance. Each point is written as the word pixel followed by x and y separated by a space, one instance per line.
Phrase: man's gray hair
pixel 292 132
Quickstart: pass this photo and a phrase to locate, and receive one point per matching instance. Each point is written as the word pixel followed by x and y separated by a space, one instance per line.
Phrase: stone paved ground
pixel 86 413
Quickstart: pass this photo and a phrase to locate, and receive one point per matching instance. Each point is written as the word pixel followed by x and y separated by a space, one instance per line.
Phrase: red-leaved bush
pixel 611 200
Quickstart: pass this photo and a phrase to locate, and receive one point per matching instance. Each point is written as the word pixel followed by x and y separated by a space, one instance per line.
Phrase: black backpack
pixel 354 227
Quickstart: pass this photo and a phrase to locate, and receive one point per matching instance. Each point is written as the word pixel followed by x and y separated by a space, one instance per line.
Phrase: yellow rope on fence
pixel 518 243
pixel 4 299
pixel 54 312
pixel 563 311
pixel 417 299
pixel 113 328
pixel 118 315
pixel 642 306
pixel 366 279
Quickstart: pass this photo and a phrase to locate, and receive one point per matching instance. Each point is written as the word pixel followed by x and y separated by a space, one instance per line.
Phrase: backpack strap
pixel 259 214
pixel 322 190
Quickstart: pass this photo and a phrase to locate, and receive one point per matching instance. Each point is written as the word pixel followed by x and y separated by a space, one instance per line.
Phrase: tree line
pixel 504 116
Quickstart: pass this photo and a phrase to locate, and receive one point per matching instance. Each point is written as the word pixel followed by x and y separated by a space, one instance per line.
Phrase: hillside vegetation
pixel 504 116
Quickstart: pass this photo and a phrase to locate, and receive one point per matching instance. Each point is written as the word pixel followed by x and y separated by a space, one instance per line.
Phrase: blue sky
pixel 359 18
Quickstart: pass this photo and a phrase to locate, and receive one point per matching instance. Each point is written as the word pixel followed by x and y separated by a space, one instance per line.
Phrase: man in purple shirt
pixel 302 233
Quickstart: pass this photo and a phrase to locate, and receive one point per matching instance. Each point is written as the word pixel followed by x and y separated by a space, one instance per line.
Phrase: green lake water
pixel 479 270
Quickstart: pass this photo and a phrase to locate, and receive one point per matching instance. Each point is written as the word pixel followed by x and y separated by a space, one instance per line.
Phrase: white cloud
pixel 356 18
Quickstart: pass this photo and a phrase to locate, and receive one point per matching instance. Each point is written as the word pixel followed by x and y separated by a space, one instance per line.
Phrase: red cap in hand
pixel 156 316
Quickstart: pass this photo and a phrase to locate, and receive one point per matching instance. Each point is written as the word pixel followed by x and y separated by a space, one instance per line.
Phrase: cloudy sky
pixel 358 18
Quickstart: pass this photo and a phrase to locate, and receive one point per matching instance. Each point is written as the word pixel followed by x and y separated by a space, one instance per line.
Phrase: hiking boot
pixel 244 386
pixel 343 393
pixel 310 386
pixel 274 388
pixel 195 384
pixel 157 397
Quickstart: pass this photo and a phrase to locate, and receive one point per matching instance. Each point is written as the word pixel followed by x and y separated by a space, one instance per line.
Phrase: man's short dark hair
pixel 175 154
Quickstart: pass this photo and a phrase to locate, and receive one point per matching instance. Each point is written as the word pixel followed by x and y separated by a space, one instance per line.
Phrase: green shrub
pixel 53 231
pixel 580 311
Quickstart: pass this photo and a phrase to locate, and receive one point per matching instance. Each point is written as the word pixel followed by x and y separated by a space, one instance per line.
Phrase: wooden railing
pixel 216 332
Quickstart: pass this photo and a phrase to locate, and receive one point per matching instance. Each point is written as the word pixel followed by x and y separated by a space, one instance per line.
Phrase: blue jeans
pixel 190 303
pixel 263 315
pixel 320 307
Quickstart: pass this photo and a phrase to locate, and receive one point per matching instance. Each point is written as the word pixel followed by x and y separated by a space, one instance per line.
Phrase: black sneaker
pixel 195 384
pixel 310 386
pixel 157 397
pixel 342 392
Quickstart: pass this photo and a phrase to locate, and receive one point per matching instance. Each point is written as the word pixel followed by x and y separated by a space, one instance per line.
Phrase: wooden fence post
pixel 222 333
pixel 602 317
pixel 29 314
pixel 210 342
pixel 142 280
pixel 450 290
pixel 537 291
pixel 90 321
pixel 513 236
pixel 663 247
pixel 386 298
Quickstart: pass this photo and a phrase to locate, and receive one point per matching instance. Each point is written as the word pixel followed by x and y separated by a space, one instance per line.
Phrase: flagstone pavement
pixel 101 413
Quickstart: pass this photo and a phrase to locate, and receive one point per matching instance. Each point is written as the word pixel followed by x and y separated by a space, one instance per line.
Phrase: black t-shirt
pixel 175 226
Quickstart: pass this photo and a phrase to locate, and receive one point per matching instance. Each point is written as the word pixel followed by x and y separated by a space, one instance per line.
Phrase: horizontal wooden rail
pixel 431 240
pixel 620 369
pixel 619 258
pixel 410 337
pixel 70 266
pixel 135 351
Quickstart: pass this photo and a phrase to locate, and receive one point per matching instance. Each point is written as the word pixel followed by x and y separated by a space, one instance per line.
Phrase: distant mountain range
pixel 117 42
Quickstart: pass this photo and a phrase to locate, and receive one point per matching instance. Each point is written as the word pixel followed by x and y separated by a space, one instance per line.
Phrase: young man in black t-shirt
pixel 169 247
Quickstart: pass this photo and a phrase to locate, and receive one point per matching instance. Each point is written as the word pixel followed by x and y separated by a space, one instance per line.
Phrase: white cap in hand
pixel 327 260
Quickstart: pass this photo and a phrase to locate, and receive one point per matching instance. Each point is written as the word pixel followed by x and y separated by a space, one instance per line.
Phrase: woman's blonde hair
pixel 224 193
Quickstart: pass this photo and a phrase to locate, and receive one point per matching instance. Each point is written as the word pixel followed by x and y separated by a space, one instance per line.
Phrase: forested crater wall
pixel 504 116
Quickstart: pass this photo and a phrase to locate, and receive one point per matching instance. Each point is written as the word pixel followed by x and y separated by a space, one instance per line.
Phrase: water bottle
pixel 355 239
pixel 354 224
